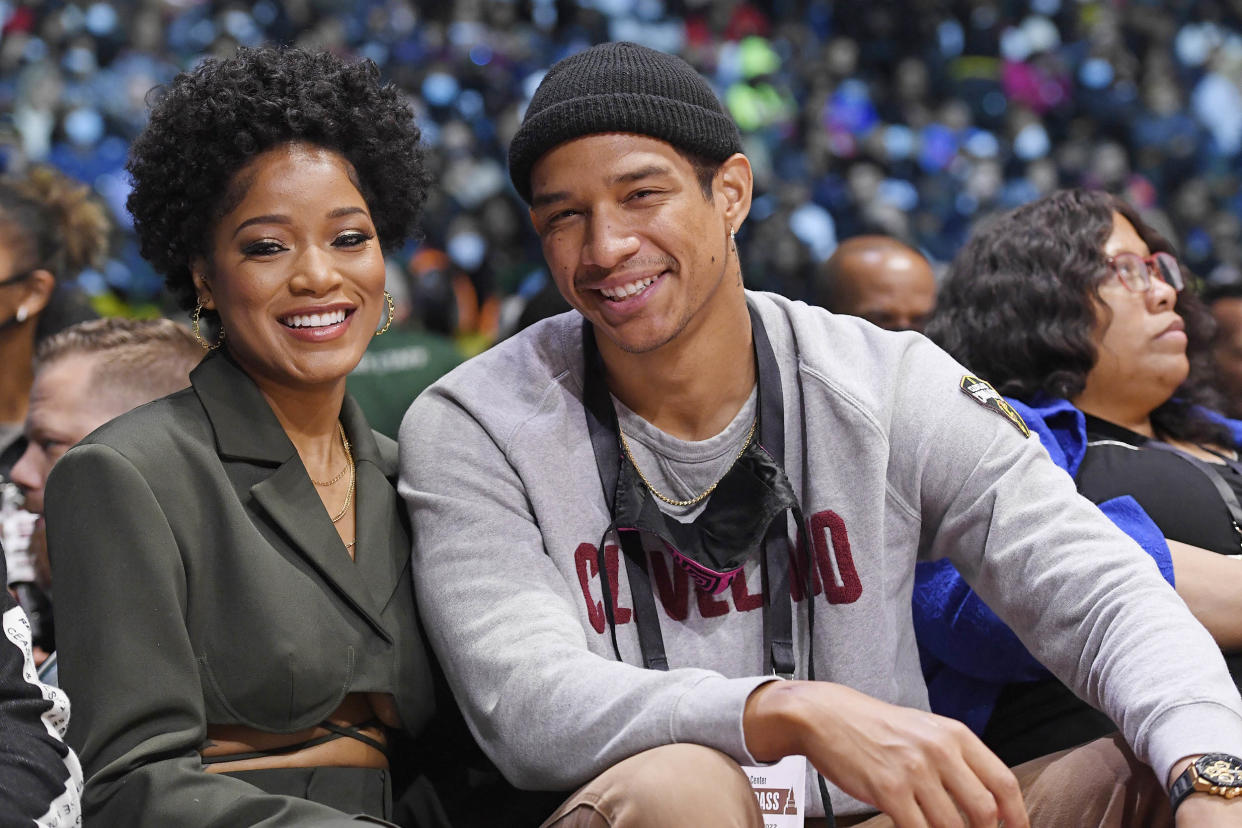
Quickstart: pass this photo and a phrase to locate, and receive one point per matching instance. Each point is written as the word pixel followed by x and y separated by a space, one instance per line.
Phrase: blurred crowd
pixel 906 118
pixel 880 134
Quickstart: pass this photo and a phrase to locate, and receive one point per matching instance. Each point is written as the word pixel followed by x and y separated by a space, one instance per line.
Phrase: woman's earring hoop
pixel 198 335
pixel 392 312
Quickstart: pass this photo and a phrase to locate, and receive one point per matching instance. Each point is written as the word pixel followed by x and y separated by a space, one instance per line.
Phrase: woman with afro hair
pixel 238 630
pixel 1079 312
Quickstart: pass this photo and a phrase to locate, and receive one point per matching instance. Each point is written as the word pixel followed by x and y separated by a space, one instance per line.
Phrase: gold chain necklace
pixel 349 493
pixel 341 473
pixel 625 445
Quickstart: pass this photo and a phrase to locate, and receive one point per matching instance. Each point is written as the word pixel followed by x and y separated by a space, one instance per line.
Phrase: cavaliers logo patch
pixel 983 393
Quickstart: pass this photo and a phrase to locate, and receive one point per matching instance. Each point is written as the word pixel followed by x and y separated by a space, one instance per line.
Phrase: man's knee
pixel 1100 783
pixel 672 785
pixel 694 771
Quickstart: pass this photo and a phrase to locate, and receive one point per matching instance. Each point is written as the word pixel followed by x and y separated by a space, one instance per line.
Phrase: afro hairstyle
pixel 210 122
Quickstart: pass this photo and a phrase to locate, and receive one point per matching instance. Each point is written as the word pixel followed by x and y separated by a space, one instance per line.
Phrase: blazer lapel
pixel 383 547
pixel 290 501
pixel 246 429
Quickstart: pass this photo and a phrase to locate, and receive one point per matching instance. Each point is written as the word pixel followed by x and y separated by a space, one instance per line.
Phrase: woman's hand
pixel 919 768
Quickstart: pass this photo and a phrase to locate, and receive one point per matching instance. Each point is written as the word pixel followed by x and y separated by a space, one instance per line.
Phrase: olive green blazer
pixel 198 578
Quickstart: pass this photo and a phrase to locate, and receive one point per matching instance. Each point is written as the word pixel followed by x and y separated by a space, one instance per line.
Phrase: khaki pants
pixel 1100 783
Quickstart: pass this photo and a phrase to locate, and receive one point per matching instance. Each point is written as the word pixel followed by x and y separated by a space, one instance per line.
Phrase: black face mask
pixel 745 517
pixel 715 546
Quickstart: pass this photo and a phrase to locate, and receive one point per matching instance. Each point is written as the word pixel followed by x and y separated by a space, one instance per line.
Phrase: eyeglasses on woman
pixel 1136 272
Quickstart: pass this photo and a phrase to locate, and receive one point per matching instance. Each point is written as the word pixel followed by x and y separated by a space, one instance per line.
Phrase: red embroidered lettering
pixel 709 607
pixel 674 589
pixel 743 599
pixel 584 561
pixel 836 563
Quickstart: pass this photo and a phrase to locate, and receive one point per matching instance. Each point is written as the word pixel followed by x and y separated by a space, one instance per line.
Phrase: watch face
pixel 1220 769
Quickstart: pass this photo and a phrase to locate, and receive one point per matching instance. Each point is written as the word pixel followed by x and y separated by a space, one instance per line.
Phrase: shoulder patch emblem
pixel 983 393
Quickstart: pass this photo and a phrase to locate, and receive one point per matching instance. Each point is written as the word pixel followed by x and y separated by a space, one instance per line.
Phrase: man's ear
pixel 735 184
pixel 202 285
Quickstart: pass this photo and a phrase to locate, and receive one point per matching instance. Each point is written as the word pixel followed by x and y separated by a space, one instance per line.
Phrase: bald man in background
pixel 879 279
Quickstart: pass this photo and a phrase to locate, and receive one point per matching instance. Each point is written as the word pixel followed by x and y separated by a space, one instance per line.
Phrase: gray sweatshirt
pixel 892 461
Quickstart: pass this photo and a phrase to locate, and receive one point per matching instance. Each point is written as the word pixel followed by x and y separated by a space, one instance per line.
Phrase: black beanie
pixel 621 87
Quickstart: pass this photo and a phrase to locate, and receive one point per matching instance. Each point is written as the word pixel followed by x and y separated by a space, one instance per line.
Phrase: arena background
pixel 914 119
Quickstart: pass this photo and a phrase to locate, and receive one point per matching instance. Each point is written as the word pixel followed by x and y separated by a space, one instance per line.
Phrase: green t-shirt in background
pixel 395 368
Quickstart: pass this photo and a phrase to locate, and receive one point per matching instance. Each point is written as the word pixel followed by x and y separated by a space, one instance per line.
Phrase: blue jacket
pixel 968 653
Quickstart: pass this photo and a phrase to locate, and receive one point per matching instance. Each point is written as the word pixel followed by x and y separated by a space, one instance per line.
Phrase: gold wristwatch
pixel 1215 773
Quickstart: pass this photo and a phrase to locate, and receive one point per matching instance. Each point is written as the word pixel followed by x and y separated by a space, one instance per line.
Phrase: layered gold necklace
pixel 698 498
pixel 349 467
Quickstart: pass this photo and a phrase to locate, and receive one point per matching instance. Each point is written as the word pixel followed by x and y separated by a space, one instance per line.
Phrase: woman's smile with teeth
pixel 625 291
pixel 314 320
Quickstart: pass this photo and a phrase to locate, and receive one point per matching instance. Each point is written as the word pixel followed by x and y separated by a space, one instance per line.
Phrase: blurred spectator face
pixel 912 80
pixel 1227 351
pixel 1162 95
pixel 842 55
pixel 880 280
pixel 63 409
pixel 985 180
pixel 1139 337
pixel 864 181
pixel 1043 176
pixel 1110 163
pixel 1193 202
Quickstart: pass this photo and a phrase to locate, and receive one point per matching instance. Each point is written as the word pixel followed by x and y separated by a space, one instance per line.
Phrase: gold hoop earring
pixel 392 311
pixel 198 335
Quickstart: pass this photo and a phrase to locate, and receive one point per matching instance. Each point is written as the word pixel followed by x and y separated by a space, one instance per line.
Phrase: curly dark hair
pixel 1018 306
pixel 51 222
pixel 210 122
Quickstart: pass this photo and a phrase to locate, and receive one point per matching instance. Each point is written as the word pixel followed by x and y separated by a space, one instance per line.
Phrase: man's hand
pixel 1204 811
pixel 920 769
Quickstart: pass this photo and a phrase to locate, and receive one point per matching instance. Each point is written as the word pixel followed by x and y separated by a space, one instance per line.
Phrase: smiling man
pixel 632 518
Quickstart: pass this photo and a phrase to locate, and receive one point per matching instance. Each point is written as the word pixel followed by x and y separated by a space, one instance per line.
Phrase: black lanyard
pixel 605 440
